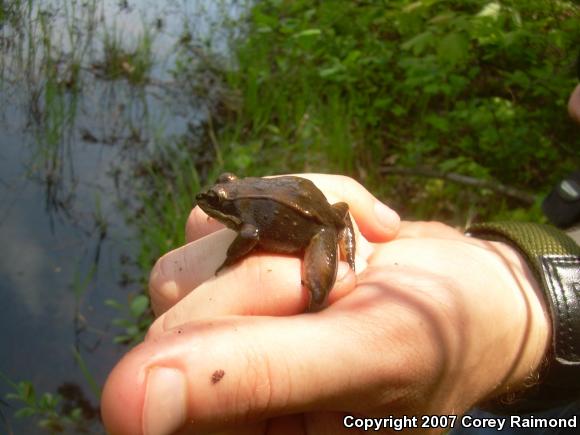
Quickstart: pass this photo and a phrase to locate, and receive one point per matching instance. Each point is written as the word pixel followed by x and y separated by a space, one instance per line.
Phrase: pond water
pixel 87 88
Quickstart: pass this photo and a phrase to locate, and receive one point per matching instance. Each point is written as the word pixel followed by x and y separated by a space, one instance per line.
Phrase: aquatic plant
pixel 53 413
pixel 118 62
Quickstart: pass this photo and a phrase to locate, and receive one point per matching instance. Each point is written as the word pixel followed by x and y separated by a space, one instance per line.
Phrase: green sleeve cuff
pixel 532 240
pixel 555 259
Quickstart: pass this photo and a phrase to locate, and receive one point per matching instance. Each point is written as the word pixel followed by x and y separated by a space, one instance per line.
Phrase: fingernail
pixel 165 409
pixel 386 217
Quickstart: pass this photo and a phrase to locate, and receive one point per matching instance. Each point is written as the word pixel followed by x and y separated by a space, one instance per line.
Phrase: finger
pixel 181 271
pixel 574 104
pixel 377 222
pixel 260 428
pixel 229 371
pixel 262 285
pixel 429 229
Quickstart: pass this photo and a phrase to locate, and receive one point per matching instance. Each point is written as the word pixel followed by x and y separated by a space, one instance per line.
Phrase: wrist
pixel 506 328
pixel 532 328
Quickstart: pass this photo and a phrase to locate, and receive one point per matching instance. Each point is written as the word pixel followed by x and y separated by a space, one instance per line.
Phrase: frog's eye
pixel 226 177
pixel 221 193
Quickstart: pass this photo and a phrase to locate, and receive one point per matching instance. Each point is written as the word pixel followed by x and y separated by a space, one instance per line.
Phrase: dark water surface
pixel 67 150
pixel 46 253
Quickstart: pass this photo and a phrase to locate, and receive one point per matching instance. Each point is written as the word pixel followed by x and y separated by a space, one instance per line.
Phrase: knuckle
pixel 255 390
pixel 194 222
pixel 156 279
pixel 257 269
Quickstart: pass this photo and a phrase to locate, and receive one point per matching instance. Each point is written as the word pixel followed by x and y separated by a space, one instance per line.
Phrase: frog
pixel 284 215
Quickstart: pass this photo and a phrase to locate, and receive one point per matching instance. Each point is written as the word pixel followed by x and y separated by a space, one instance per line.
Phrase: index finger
pixel 376 221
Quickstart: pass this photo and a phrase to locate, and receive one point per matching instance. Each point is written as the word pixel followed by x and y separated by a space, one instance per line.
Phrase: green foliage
pixel 89 378
pixel 136 317
pixel 476 87
pixel 45 408
pixel 170 183
pixel 164 189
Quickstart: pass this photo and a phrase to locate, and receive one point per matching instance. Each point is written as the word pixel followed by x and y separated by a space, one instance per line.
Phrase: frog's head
pixel 218 203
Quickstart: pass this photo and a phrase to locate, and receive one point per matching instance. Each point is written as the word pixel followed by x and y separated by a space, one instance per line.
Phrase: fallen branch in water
pixel 512 192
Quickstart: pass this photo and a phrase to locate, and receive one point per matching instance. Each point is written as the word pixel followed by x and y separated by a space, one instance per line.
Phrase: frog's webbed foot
pixel 320 266
pixel 346 241
pixel 243 244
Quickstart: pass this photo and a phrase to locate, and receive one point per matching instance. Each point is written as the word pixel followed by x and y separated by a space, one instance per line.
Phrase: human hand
pixel 574 104
pixel 424 332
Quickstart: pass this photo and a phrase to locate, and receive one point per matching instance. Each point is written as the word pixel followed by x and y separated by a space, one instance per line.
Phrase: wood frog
pixel 287 215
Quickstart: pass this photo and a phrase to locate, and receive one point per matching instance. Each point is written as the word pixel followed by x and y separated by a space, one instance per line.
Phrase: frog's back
pixel 297 193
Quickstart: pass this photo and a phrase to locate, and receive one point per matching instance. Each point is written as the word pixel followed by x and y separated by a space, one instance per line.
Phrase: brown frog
pixel 287 215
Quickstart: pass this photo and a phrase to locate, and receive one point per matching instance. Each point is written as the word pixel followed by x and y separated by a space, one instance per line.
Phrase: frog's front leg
pixel 320 266
pixel 243 244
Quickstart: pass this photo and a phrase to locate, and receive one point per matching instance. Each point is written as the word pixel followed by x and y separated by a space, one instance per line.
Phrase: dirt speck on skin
pixel 217 376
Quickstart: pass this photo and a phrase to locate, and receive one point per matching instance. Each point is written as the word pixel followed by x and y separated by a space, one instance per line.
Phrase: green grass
pixel 165 188
pixel 120 62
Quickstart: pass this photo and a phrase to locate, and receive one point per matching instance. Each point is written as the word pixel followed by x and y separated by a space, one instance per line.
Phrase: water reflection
pixel 88 89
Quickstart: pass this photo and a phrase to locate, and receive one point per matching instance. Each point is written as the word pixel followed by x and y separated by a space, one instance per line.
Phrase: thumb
pixel 231 371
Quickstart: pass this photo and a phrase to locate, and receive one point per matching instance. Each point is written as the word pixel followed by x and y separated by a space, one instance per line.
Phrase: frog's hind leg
pixel 243 244
pixel 346 240
pixel 320 266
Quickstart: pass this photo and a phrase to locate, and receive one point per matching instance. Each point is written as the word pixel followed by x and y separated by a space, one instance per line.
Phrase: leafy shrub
pixel 474 87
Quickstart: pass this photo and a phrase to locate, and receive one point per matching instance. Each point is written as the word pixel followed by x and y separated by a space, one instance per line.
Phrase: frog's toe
pixel 346 237
pixel 243 244
pixel 317 299
pixel 341 208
